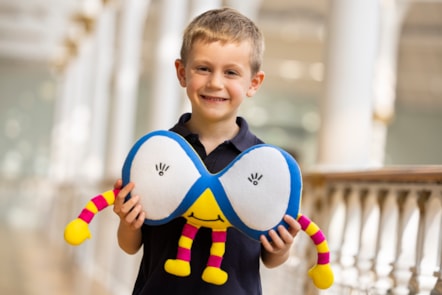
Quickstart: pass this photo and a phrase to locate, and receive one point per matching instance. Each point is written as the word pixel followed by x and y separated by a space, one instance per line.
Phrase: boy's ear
pixel 256 82
pixel 180 72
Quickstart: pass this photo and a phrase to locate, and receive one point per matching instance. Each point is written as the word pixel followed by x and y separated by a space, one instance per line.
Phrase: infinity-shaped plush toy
pixel 252 194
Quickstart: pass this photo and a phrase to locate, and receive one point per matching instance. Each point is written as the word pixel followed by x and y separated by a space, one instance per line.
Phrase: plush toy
pixel 252 194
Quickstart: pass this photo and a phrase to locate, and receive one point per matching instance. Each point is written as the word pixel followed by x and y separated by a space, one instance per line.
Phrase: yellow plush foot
pixel 76 232
pixel 214 275
pixel 322 276
pixel 177 267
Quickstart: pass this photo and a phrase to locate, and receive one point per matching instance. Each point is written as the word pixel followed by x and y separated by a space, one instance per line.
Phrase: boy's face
pixel 217 78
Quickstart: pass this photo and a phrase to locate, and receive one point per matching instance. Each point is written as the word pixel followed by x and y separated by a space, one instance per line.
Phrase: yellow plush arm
pixel 77 231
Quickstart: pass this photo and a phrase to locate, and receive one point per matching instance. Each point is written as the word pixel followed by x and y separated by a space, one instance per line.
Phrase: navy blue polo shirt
pixel 242 256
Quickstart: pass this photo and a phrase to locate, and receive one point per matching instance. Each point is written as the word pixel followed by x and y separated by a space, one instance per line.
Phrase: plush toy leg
pixel 181 265
pixel 213 273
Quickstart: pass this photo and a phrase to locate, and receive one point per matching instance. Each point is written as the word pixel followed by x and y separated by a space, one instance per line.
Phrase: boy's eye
pixel 231 73
pixel 202 69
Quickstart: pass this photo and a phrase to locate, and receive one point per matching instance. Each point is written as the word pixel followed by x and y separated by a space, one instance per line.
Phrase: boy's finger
pixel 265 243
pixel 285 234
pixel 294 225
pixel 140 219
pixel 130 204
pixel 132 213
pixel 126 190
pixel 121 197
pixel 118 184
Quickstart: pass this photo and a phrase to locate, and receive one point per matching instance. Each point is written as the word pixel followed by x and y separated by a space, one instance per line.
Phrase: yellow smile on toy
pixel 206 212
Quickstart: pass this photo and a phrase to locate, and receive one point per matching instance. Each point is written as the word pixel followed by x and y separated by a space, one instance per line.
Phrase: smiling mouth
pixel 192 215
pixel 213 98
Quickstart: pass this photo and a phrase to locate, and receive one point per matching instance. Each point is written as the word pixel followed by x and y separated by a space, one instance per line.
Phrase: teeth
pixel 213 98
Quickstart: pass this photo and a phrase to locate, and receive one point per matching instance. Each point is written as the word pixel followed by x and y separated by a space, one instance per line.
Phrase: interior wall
pixel 414 137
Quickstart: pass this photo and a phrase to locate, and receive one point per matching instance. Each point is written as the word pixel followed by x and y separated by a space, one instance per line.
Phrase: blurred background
pixel 349 85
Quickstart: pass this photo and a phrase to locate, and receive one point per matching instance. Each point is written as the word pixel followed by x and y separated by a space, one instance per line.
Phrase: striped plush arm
pixel 321 273
pixel 77 231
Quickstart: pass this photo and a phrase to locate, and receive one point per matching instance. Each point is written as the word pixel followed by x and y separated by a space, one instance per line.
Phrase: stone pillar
pixel 103 56
pixel 72 112
pixel 125 92
pixel 391 19
pixel 166 95
pixel 347 102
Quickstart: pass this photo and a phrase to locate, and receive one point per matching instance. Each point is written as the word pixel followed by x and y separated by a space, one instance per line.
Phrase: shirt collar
pixel 242 141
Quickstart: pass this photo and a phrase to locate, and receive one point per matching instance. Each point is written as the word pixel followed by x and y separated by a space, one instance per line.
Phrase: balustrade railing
pixel 384 230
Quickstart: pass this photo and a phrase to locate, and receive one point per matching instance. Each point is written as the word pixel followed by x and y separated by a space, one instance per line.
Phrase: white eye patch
pixel 163 174
pixel 258 187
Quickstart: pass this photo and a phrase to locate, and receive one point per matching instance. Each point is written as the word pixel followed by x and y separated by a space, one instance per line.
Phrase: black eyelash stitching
pixel 161 168
pixel 255 178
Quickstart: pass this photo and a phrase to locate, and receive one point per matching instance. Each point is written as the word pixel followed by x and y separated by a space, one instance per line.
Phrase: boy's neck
pixel 212 134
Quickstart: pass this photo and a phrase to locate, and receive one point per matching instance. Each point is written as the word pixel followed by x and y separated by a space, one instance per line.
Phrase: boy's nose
pixel 215 81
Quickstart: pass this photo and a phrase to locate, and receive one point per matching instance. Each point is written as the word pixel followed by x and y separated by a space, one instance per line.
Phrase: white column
pixel 58 169
pixel 123 112
pixel 167 95
pixel 346 106
pixel 101 93
pixel 392 15
pixel 72 119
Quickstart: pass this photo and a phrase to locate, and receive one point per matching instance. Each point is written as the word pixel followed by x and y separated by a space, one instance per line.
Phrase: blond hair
pixel 224 25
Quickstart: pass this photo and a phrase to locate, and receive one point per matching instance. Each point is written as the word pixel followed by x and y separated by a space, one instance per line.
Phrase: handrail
pixel 385 228
pixel 420 174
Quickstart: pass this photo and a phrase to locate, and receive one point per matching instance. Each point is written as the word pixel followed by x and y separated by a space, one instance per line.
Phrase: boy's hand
pixel 131 212
pixel 281 240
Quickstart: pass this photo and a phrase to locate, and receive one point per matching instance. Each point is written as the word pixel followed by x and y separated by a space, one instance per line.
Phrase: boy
pixel 220 64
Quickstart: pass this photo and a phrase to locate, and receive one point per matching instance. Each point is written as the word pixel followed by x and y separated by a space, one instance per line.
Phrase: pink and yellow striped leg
pixel 77 231
pixel 321 273
pixel 181 265
pixel 213 272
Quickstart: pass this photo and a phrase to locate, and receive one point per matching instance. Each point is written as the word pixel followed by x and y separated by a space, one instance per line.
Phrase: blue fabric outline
pixel 209 180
